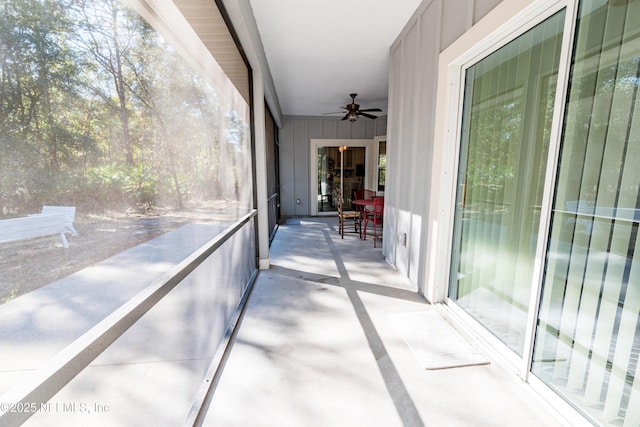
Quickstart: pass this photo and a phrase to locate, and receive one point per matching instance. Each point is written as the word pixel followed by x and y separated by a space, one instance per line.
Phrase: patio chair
pixel 368 194
pixel 374 216
pixel 346 216
pixel 358 195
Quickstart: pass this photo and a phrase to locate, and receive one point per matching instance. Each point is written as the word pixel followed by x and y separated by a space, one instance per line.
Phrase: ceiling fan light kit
pixel 354 111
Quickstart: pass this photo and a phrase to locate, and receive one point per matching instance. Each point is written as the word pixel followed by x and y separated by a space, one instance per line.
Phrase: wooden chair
pixel 374 216
pixel 359 195
pixel 345 216
pixel 368 194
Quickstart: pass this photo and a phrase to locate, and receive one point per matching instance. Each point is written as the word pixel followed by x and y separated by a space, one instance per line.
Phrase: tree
pixel 37 75
pixel 106 35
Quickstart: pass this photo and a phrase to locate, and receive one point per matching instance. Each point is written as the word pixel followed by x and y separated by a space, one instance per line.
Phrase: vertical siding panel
pixel 287 177
pixel 482 7
pixel 453 26
pixel 344 129
pixel 359 128
pixel 369 128
pixel 301 166
pixel 390 229
pixel 381 126
pixel 407 117
pixel 329 129
pixel 427 49
pixel 315 130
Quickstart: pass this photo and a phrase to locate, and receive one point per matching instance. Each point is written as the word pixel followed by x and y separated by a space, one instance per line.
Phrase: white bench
pixel 30 227
pixel 69 214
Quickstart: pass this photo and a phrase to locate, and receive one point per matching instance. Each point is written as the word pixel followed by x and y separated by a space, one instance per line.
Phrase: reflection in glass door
pixel 382 164
pixel 506 124
pixel 587 344
pixel 331 173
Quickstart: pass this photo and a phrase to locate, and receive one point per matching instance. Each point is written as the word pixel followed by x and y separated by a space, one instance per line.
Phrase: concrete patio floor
pixel 316 348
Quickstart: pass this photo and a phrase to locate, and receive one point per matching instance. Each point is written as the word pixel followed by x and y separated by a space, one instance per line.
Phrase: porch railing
pixel 214 282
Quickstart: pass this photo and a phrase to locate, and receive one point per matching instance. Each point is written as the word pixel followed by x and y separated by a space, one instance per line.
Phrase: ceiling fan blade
pixel 371 109
pixel 335 112
pixel 346 116
pixel 369 116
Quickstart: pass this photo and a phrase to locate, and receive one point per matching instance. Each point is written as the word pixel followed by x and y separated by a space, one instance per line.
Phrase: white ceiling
pixel 321 51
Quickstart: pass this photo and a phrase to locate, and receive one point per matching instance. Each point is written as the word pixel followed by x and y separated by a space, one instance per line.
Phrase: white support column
pixel 261 170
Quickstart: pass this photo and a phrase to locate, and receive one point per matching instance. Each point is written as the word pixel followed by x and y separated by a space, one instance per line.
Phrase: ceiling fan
pixel 353 110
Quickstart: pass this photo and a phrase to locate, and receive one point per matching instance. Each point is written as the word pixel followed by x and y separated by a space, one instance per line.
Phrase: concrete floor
pixel 316 348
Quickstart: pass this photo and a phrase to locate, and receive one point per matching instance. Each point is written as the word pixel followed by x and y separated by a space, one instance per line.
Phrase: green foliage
pixel 140 186
pixel 97 110
pixel 137 186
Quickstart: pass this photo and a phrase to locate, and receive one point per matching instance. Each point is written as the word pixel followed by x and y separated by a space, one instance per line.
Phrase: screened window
pixel 131 121
pixel 102 113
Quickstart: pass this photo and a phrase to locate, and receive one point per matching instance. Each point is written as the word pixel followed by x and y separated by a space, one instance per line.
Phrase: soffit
pixel 206 20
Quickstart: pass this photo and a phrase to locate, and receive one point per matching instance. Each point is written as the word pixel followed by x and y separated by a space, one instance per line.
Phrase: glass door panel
pixel 506 122
pixel 328 170
pixel 588 336
pixel 382 165
pixel 331 173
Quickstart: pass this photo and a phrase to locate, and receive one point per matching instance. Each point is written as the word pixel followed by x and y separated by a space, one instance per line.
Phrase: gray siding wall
pixel 412 95
pixel 295 143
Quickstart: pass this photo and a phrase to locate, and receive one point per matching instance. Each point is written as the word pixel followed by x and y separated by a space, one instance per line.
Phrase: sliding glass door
pixel 588 336
pixel 506 125
pixel 328 173
pixel 331 173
